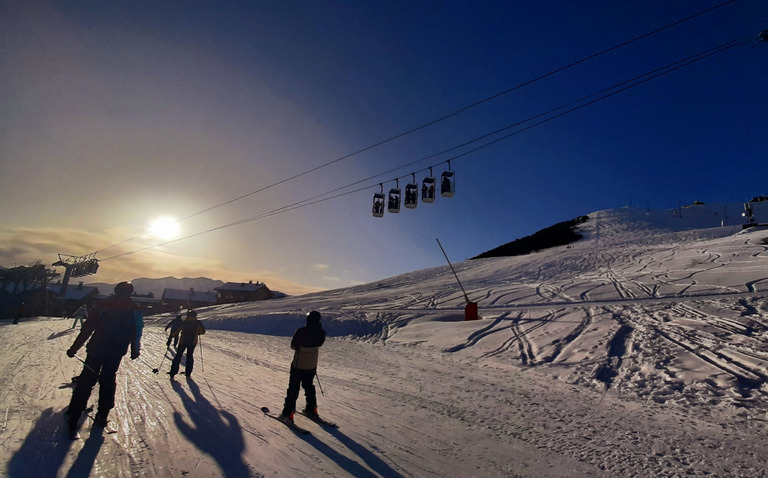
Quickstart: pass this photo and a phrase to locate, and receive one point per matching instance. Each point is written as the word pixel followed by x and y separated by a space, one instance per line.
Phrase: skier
pixel 117 326
pixel 189 331
pixel 174 325
pixel 80 314
pixel 306 342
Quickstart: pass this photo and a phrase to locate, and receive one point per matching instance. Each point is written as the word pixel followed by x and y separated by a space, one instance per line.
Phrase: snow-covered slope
pixel 637 351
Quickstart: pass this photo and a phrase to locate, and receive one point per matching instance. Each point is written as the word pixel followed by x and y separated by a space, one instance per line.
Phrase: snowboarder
pixel 189 330
pixel 117 326
pixel 306 342
pixel 174 325
pixel 80 314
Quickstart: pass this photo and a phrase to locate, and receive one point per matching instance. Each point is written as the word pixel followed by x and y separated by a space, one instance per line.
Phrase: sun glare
pixel 165 228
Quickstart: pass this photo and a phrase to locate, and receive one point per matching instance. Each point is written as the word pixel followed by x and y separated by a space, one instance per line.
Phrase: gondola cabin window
pixel 447 184
pixel 411 195
pixel 378 204
pixel 428 189
pixel 393 205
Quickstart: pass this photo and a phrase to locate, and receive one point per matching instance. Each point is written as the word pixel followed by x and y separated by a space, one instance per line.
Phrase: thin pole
pixel 86 365
pixel 155 370
pixel 452 270
pixel 202 362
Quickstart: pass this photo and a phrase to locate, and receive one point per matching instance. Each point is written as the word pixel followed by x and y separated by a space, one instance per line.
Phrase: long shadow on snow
pixel 349 465
pixel 214 432
pixel 83 465
pixel 44 450
pixel 284 325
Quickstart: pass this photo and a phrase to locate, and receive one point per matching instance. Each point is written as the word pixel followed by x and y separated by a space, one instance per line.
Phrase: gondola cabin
pixel 428 189
pixel 447 184
pixel 393 204
pixel 378 204
pixel 411 195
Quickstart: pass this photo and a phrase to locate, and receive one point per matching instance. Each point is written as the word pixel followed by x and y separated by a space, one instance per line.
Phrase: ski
pixel 290 425
pixel 107 428
pixel 173 378
pixel 321 420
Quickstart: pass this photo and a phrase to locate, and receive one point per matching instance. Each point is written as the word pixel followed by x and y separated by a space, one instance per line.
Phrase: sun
pixel 165 228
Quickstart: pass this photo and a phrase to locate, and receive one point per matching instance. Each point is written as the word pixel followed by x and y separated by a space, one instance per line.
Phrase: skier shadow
pixel 64 332
pixel 216 433
pixel 351 466
pixel 46 447
pixel 83 465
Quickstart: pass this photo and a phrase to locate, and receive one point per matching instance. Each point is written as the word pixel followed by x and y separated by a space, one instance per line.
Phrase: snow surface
pixel 637 351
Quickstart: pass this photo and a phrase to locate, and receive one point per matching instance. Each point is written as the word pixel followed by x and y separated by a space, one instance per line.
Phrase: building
pixel 175 299
pixel 72 299
pixel 242 292
pixel 756 211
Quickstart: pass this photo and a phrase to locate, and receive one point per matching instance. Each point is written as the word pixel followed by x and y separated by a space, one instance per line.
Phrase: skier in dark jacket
pixel 174 325
pixel 306 342
pixel 117 326
pixel 189 331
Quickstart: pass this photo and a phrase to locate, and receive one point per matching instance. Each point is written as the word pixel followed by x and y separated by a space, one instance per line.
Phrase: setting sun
pixel 165 228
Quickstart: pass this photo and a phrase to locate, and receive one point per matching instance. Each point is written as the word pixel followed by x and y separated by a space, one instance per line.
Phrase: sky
pixel 218 114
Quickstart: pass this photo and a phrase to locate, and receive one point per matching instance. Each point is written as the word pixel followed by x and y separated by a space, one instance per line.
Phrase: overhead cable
pixel 438 120
pixel 547 117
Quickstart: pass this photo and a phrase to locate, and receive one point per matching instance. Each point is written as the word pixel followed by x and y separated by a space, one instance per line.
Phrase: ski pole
pixel 145 363
pixel 155 370
pixel 319 384
pixel 86 365
pixel 202 362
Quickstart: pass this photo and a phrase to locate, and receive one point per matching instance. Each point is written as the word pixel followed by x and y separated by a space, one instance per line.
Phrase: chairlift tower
pixel 76 266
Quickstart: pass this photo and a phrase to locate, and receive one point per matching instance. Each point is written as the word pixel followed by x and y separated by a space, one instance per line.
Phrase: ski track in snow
pixel 608 358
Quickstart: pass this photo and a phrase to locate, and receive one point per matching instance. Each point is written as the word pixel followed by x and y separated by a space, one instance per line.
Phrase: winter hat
pixel 124 289
pixel 191 313
pixel 313 317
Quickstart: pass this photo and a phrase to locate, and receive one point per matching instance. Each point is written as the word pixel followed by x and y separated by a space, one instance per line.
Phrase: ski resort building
pixel 174 299
pixel 242 292
pixel 756 211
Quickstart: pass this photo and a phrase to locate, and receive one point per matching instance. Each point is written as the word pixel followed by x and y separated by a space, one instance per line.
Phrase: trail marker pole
pixel 470 310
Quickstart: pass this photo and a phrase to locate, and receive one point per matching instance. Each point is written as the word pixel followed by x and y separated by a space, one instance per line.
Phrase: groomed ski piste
pixel 640 350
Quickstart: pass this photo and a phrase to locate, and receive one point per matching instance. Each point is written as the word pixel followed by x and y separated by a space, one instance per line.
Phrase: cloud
pixel 25 246
pixel 320 267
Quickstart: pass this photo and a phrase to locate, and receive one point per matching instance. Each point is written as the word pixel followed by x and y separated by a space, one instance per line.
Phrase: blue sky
pixel 116 113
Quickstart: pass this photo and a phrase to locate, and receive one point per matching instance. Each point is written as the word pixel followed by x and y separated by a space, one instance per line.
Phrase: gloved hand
pixel 135 355
pixel 71 353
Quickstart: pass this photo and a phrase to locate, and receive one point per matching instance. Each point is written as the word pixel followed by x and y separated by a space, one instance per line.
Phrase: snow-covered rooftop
pixel 190 295
pixel 241 286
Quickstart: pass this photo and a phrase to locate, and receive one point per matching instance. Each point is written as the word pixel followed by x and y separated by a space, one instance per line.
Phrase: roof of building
pixel 190 295
pixel 241 287
pixel 73 292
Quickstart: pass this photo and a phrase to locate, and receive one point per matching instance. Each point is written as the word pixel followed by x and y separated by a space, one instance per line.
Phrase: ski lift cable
pixel 632 82
pixel 608 92
pixel 439 119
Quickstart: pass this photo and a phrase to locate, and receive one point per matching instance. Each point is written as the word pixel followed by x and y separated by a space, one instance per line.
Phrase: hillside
pixel 640 350
pixel 145 285
pixel 560 234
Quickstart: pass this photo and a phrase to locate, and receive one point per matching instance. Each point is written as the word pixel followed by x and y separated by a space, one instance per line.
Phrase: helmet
pixel 191 313
pixel 313 317
pixel 124 288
